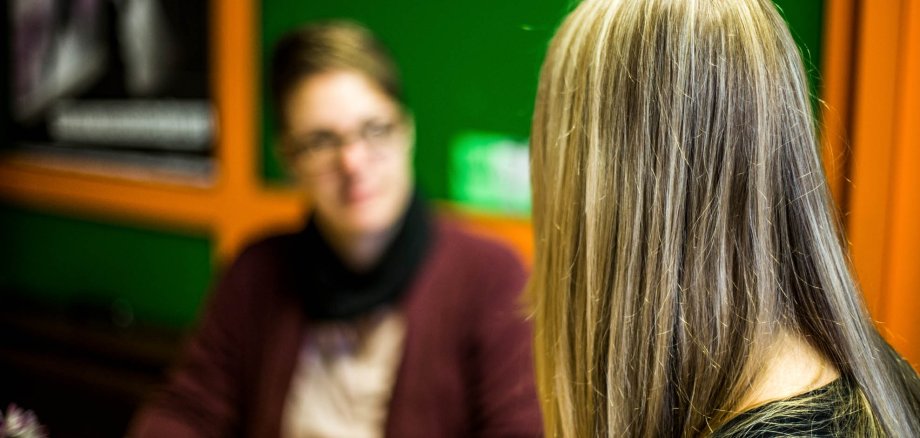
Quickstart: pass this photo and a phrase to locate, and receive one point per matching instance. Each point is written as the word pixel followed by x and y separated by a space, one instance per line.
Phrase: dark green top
pixel 818 413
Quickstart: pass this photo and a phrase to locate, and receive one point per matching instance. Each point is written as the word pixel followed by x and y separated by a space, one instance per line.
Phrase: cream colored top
pixel 344 378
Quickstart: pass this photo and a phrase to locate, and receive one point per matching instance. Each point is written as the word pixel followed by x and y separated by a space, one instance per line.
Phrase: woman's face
pixel 349 145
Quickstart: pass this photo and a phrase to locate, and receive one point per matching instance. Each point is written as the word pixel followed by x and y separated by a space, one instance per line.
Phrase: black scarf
pixel 331 290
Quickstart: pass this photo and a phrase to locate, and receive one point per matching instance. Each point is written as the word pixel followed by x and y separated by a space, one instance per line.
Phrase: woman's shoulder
pixel 269 250
pixel 824 412
pixel 469 267
pixel 452 238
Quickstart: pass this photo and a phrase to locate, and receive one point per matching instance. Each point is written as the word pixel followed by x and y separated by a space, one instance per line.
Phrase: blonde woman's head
pixel 682 222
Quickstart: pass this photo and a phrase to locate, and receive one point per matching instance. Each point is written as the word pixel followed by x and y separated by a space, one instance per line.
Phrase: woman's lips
pixel 358 195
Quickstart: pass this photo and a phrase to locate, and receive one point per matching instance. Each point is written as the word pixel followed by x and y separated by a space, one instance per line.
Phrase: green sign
pixel 491 173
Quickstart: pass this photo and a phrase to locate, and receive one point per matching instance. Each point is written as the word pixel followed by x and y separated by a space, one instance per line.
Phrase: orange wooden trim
pixel 902 304
pixel 514 232
pixel 43 188
pixel 244 220
pixel 247 210
pixel 114 174
pixel 235 79
pixel 873 136
pixel 835 93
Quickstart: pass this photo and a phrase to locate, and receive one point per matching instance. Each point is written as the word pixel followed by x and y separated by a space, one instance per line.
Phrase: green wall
pixel 161 276
pixel 806 22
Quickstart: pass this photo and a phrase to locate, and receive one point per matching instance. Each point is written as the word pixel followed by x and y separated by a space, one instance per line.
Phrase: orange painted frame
pixel 902 301
pixel 836 66
pixel 875 106
pixel 884 206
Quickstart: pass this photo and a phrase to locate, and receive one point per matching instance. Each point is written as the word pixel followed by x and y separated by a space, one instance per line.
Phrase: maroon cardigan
pixel 466 369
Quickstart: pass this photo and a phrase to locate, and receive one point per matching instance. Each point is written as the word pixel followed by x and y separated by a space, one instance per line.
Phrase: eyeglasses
pixel 319 149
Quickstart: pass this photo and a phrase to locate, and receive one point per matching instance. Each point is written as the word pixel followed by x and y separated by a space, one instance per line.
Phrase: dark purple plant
pixel 20 423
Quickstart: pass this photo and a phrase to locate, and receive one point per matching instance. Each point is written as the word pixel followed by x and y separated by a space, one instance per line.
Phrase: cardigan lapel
pixel 283 340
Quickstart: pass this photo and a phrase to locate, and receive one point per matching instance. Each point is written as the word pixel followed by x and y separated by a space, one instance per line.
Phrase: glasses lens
pixel 319 151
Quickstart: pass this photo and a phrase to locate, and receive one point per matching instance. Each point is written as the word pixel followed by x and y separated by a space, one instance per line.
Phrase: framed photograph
pixel 122 80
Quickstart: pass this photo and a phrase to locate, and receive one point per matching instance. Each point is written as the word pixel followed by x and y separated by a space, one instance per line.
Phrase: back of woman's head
pixel 682 222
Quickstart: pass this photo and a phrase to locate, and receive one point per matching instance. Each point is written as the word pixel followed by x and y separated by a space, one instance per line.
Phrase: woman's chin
pixel 367 222
pixel 370 216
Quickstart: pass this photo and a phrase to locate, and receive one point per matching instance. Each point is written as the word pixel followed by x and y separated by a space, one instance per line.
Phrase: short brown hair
pixel 327 46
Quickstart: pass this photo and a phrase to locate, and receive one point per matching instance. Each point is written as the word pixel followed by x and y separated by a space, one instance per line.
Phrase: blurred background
pixel 137 158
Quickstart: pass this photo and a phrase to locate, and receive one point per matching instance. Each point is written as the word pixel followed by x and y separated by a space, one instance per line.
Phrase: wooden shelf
pixel 107 190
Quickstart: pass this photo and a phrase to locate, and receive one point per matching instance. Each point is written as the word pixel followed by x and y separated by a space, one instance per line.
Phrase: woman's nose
pixel 353 154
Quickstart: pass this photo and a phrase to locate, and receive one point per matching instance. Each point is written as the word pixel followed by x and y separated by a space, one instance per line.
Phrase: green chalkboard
pixel 159 277
pixel 806 21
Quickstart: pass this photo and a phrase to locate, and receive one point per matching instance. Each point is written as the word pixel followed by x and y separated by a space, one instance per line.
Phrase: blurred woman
pixel 376 319
pixel 690 278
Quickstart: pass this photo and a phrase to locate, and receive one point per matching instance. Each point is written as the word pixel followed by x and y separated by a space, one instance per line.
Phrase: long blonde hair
pixel 682 222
